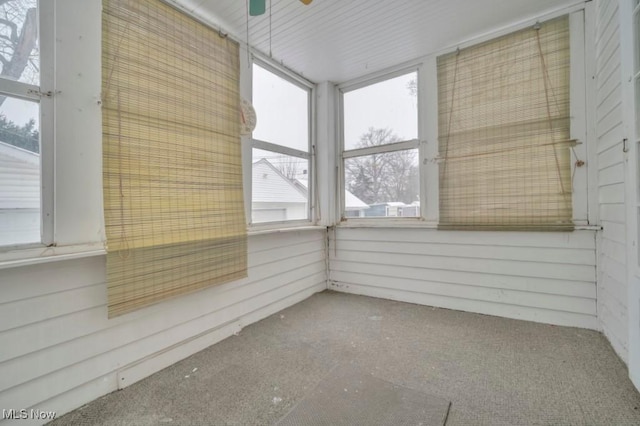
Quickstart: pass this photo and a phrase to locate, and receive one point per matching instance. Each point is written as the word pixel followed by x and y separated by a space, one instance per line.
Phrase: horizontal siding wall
pixel 612 289
pixel 542 277
pixel 58 350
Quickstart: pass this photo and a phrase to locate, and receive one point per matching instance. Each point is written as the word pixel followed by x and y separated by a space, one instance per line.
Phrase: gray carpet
pixel 349 397
pixel 495 371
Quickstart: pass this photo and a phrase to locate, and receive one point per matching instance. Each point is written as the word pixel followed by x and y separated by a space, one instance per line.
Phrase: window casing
pixel 380 140
pixel 282 164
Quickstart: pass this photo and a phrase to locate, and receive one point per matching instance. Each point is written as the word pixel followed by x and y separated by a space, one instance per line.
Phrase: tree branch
pixel 14 28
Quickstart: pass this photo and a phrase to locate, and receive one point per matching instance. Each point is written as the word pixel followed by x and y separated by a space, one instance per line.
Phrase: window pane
pixel 19 41
pixel 391 105
pixel 386 184
pixel 279 187
pixel 282 109
pixel 19 172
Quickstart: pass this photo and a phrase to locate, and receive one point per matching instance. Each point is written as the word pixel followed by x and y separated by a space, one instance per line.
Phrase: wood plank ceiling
pixel 338 40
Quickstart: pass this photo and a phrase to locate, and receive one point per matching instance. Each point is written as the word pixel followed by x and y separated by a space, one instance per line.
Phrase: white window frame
pixel 310 155
pixel 582 98
pixel 418 143
pixel 72 225
pixel 33 93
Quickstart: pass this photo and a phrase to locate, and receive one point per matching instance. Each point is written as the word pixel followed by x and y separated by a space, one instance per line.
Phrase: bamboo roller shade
pixel 172 171
pixel 504 140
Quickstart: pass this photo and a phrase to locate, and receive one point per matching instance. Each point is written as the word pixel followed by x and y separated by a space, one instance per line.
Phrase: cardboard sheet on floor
pixel 349 396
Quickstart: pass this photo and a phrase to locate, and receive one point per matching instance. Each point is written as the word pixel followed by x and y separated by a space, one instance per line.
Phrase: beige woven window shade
pixel 173 199
pixel 503 126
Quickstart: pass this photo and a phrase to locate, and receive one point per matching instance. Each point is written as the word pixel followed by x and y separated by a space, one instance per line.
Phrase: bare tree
pixel 384 177
pixel 289 167
pixel 18 40
pixel 412 86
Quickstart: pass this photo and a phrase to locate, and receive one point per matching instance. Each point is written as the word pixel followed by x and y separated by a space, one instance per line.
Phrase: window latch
pixel 625 147
pixel 48 94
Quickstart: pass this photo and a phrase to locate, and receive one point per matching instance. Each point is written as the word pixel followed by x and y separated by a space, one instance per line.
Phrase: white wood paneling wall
pixel 337 40
pixel 612 288
pixel 542 277
pixel 58 350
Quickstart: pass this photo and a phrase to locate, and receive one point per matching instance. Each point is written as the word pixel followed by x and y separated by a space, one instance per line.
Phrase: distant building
pixel 388 209
pixel 19 195
pixel 354 206
pixel 276 198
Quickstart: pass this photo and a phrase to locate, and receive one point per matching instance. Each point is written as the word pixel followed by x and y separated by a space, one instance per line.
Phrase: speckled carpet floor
pixel 495 371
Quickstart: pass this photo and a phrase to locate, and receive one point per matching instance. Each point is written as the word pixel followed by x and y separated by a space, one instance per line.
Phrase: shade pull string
pixel 123 254
pixel 547 83
pixel 453 93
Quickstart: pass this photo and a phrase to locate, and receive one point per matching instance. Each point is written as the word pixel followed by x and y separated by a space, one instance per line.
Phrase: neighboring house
pixel 19 195
pixel 388 209
pixel 354 206
pixel 411 210
pixel 275 197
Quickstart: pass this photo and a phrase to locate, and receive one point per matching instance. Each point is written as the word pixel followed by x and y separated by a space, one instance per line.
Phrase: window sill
pixel 417 223
pixel 407 222
pixel 24 256
pixel 264 230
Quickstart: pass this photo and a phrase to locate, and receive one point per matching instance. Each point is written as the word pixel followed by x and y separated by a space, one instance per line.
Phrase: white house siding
pixel 275 212
pixel 19 195
pixel 542 277
pixel 58 350
pixel 612 289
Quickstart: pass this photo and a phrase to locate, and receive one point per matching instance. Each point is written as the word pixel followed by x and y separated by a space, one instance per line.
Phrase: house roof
pixel 269 185
pixel 19 178
pixel 351 201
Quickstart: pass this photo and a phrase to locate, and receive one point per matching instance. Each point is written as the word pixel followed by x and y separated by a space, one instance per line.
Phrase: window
pixel 281 182
pixel 504 132
pixel 20 200
pixel 380 156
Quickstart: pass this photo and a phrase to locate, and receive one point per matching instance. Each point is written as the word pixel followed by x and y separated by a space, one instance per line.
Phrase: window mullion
pixel 391 147
pixel 268 146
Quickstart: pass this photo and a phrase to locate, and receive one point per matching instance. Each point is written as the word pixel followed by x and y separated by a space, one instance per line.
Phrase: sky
pixel 20 112
pixel 282 112
pixel 388 104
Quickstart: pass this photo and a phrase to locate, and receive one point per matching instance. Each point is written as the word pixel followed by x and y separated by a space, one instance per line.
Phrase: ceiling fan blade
pixel 257 7
pixel 306 2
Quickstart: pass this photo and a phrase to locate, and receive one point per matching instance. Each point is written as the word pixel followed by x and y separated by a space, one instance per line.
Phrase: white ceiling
pixel 338 40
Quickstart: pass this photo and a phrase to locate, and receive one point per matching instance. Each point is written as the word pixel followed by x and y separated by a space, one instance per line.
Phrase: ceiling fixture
pixel 258 7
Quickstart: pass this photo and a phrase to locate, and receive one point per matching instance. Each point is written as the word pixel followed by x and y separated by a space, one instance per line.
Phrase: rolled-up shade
pixel 173 198
pixel 503 127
